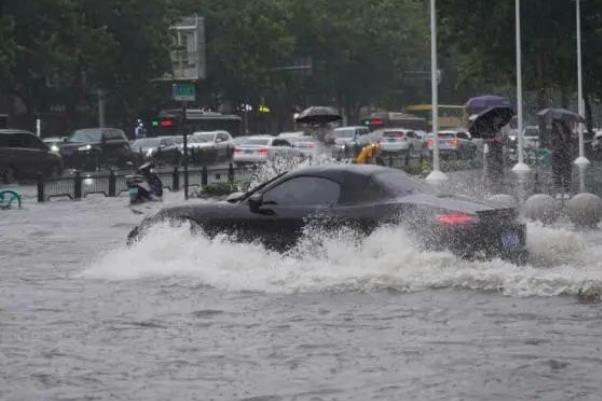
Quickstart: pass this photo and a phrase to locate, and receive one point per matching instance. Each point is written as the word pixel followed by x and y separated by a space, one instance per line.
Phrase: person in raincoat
pixel 561 147
pixel 368 153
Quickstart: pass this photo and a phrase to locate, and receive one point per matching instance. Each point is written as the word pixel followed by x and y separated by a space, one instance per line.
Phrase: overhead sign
pixel 184 92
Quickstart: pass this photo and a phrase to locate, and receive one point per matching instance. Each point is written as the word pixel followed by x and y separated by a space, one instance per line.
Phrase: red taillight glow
pixel 452 142
pixel 166 123
pixel 262 150
pixel 377 122
pixel 456 219
pixel 237 150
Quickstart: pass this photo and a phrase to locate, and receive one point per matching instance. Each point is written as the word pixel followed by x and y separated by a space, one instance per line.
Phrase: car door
pixel 287 207
pixel 221 144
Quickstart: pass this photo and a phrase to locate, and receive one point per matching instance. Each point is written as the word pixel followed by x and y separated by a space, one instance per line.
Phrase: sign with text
pixel 184 92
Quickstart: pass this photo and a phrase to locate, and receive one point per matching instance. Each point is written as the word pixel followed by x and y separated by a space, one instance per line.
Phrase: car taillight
pixel 429 141
pixel 454 219
pixel 262 150
pixel 237 150
pixel 452 142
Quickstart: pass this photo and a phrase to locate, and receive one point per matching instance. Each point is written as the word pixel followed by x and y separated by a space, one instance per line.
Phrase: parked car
pixel 398 140
pixel 210 146
pixel 261 148
pixel 454 143
pixel 162 149
pixel 24 155
pixel 348 141
pixel 95 148
pixel 360 196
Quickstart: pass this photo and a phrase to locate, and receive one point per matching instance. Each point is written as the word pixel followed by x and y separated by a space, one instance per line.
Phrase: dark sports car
pixel 358 196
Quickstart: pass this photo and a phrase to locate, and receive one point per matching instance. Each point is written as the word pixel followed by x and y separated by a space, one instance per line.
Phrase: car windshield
pixel 86 136
pixel 200 138
pixel 147 143
pixel 344 133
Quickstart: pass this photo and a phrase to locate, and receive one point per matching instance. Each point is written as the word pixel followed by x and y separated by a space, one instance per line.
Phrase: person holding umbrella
pixel 491 125
pixel 562 148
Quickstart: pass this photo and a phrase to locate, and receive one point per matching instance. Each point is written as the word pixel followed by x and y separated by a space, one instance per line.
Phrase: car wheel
pixel 7 175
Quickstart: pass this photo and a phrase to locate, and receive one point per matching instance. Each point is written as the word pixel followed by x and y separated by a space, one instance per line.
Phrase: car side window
pixel 309 191
pixel 462 135
pixel 280 142
pixel 411 134
pixel 222 137
pixel 26 141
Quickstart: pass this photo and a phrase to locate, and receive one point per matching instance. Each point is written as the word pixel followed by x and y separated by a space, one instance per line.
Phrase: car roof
pixel 339 172
pixel 350 127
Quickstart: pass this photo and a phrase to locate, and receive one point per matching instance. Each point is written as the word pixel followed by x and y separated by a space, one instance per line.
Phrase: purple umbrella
pixel 478 104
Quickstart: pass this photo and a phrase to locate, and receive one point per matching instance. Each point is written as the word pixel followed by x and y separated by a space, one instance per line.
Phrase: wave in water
pixel 561 263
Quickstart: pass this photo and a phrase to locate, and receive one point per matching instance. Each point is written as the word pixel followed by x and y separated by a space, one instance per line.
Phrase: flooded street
pixel 179 317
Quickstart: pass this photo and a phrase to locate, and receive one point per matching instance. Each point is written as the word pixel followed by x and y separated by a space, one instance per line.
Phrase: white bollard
pixel 542 207
pixel 585 209
pixel 504 199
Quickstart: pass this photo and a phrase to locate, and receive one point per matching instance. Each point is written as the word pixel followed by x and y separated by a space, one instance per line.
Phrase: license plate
pixel 248 151
pixel 510 241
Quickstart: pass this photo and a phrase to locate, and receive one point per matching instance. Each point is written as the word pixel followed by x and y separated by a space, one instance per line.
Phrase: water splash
pixel 561 263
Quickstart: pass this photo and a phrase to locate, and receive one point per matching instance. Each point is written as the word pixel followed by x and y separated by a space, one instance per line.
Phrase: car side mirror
pixel 255 202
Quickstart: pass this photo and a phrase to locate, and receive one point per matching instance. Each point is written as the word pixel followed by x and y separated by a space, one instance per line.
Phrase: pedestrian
pixel 495 161
pixel 139 130
pixel 561 146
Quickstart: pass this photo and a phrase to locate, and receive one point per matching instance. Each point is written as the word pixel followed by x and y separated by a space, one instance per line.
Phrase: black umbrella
pixel 482 103
pixel 318 115
pixel 560 114
pixel 488 122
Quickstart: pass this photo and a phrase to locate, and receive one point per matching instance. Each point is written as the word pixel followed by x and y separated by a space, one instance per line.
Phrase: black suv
pixel 96 148
pixel 24 155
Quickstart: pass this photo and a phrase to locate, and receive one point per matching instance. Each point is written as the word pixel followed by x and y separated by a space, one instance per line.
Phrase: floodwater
pixel 187 318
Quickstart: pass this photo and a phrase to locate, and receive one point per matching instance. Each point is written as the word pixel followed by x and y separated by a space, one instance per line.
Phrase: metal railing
pixel 113 183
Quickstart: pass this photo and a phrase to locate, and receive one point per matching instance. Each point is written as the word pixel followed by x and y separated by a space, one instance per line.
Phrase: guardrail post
pixel 175 179
pixel 390 160
pixel 204 175
pixel 41 196
pixel 407 161
pixel 112 183
pixel 231 173
pixel 77 185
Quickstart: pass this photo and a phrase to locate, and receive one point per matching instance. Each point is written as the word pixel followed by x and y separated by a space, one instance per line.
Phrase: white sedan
pixel 261 148
pixel 399 140
pixel 219 142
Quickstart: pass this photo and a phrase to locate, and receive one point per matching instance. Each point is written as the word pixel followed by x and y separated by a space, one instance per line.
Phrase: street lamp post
pixel 521 168
pixel 436 177
pixel 581 162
